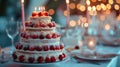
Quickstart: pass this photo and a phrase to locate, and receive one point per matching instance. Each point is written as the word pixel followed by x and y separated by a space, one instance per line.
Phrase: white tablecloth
pixel 71 63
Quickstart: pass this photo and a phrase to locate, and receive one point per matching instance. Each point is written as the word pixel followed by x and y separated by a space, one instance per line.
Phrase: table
pixel 71 63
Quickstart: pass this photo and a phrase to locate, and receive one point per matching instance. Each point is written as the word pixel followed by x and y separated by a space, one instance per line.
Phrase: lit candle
pixel 91 44
pixel 34 13
pixel 68 13
pixel 23 15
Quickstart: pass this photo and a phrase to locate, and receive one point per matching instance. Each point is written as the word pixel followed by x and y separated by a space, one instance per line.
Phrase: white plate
pixel 88 56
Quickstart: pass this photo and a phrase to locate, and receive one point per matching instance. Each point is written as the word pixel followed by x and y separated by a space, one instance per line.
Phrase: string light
pixel 93 0
pixel 82 8
pixel 88 2
pixel 108 6
pixel 98 7
pixel 72 5
pixel 110 1
pixel 118 1
pixel 51 11
pixel 107 27
pixel 116 6
pixel 78 6
pixel 89 8
pixel 72 23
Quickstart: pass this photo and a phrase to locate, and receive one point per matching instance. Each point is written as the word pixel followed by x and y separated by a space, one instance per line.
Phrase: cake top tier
pixel 40 13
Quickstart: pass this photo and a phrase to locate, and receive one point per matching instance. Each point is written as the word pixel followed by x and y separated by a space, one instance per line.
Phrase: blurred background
pixel 99 18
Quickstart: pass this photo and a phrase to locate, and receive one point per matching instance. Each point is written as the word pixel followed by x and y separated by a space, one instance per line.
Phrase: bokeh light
pixel 51 11
pixel 107 27
pixel 82 8
pixel 108 11
pixel 118 1
pixel 116 7
pixel 108 6
pixel 98 7
pixel 78 6
pixel 86 25
pixel 88 2
pixel 93 0
pixel 89 8
pixel 110 1
pixel 72 23
pixel 72 5
pixel 65 13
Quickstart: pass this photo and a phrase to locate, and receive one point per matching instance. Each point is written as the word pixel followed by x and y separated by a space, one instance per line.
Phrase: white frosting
pixel 45 19
pixel 42 44
pixel 40 41
pixel 35 56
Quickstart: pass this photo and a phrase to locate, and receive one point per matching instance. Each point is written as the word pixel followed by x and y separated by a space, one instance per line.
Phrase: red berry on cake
pixel 48 36
pixel 52 47
pixel 47 60
pixel 64 55
pixel 76 47
pixel 53 59
pixel 36 25
pixel 50 25
pixel 42 25
pixel 23 35
pixel 20 47
pixel 31 59
pixel 40 14
pixel 26 47
pixel 46 48
pixel 14 56
pixel 17 46
pixel 41 37
pixel 21 58
pixel 27 24
pixel 40 59
pixel 31 48
pixel 35 36
pixel 57 47
pixel 60 57
pixel 34 14
pixel 39 48
pixel 54 24
pixel 45 13
pixel 27 36
pixel 61 46
pixel 54 35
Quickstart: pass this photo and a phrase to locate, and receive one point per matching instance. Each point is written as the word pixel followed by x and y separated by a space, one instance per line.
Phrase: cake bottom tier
pixel 25 57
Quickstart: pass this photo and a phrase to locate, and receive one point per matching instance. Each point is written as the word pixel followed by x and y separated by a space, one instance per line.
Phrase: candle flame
pixel 22 1
pixel 67 1
pixel 35 8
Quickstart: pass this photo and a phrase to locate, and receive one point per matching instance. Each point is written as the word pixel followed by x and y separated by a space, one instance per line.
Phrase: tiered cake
pixel 40 43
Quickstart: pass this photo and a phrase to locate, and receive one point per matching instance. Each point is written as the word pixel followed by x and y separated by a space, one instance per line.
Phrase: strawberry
pixel 40 14
pixel 31 48
pixel 14 56
pixel 35 36
pixel 45 13
pixel 39 48
pixel 26 47
pixel 31 59
pixel 47 60
pixel 34 14
pixel 20 47
pixel 76 47
pixel 21 58
pixel 41 37
pixel 60 57
pixel 61 46
pixel 48 36
pixel 40 59
pixel 64 55
pixel 36 25
pixel 46 48
pixel 53 59
pixel 52 47
pixel 54 24
pixel 50 25
pixel 54 35
pixel 42 25
pixel 57 47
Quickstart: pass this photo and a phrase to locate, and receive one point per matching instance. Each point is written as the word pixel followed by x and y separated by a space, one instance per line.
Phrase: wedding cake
pixel 40 43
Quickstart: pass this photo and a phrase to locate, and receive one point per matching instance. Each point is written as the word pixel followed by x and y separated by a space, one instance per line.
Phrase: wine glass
pixel 12 30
